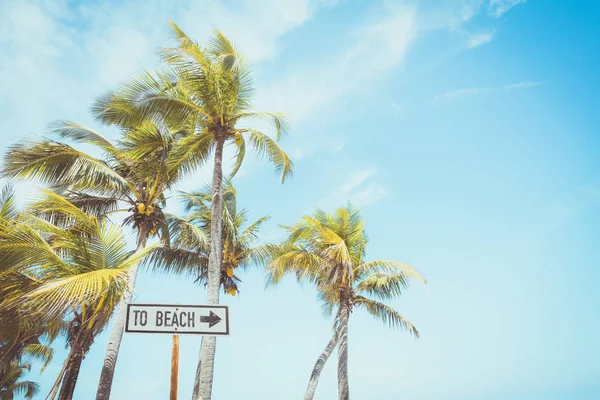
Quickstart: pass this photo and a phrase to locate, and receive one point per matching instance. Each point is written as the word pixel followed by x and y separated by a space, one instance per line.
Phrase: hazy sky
pixel 467 132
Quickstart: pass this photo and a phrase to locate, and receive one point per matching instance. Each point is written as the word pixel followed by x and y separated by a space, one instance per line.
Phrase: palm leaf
pixel 191 152
pixel 60 165
pixel 387 314
pixel 383 285
pixel 388 266
pixel 267 147
pixel 40 352
pixel 240 143
pixel 27 389
pixel 280 122
pixel 82 134
pixel 60 295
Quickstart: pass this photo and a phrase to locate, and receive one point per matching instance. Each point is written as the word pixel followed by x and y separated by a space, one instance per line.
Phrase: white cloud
pixel 381 45
pixel 360 189
pixel 479 39
pixel 255 25
pixel 498 7
pixel 59 55
pixel 456 94
pixel 447 14
pixel 33 41
pixel 121 50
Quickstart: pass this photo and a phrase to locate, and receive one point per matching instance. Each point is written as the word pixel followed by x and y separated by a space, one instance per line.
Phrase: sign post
pixel 174 367
pixel 177 320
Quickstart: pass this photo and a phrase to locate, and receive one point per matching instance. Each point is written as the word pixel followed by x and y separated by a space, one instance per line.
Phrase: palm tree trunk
pixel 343 390
pixel 54 389
pixel 116 334
pixel 316 373
pixel 209 344
pixel 79 349
pixel 196 392
pixel 72 373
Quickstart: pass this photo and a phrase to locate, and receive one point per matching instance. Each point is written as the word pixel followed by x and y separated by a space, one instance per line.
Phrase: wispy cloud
pixel 381 45
pixel 479 39
pixel 498 7
pixel 67 54
pixel 456 94
pixel 359 188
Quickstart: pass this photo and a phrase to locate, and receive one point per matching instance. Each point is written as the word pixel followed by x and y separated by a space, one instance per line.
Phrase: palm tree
pixel 189 249
pixel 23 335
pixel 206 93
pixel 11 384
pixel 329 250
pixel 132 177
pixel 80 265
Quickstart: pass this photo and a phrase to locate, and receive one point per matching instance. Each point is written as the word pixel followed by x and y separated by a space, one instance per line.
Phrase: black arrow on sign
pixel 212 319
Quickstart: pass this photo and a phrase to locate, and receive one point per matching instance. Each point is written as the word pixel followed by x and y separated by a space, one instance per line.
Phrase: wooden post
pixel 174 367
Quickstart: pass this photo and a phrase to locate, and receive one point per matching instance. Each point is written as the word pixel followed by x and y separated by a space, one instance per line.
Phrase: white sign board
pixel 177 319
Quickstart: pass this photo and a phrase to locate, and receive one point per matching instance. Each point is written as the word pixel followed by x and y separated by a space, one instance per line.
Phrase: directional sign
pixel 177 319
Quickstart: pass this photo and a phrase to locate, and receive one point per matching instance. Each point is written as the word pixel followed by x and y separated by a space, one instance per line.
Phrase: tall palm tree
pixel 189 249
pixel 12 386
pixel 205 93
pixel 80 265
pixel 131 177
pixel 329 251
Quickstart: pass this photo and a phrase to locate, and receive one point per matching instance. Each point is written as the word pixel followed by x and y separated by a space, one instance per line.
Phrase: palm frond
pixel 267 147
pixel 383 285
pixel 225 52
pixel 191 152
pixel 61 295
pixel 27 389
pixel 96 206
pixel 249 235
pixel 56 207
pixel 240 143
pixel 8 209
pixel 175 260
pixel 186 235
pixel 387 314
pixel 388 266
pixel 304 264
pixel 82 134
pixel 39 352
pixel 60 165
pixel 281 124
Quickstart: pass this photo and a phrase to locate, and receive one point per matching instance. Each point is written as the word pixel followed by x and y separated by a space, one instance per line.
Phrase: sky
pixel 465 130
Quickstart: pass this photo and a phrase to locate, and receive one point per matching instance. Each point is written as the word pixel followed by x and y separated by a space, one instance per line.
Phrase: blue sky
pixel 465 130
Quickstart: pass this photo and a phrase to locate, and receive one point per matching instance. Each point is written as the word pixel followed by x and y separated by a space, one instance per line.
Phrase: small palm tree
pixel 206 94
pixel 329 250
pixel 189 249
pixel 23 335
pixel 11 384
pixel 189 245
pixel 80 264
